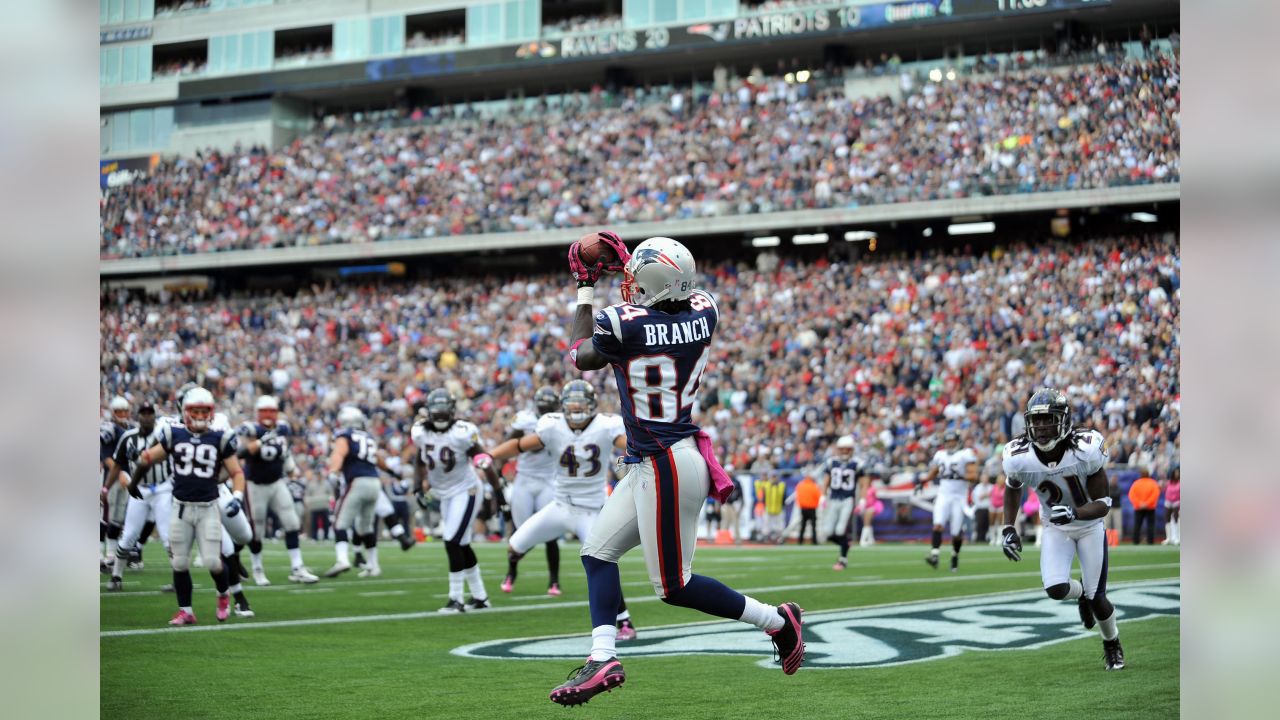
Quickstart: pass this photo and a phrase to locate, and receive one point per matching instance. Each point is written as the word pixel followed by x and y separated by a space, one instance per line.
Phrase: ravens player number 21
pixel 1066 469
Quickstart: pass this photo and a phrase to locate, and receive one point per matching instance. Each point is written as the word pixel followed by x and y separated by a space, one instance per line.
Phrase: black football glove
pixel 1011 543
pixel 134 490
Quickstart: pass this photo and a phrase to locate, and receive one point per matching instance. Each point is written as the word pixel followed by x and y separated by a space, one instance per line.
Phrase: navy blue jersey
pixel 267 466
pixel 108 438
pixel 362 454
pixel 844 477
pixel 197 460
pixel 658 360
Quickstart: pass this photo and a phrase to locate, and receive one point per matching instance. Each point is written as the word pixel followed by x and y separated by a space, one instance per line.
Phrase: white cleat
pixel 302 575
pixel 370 572
pixel 337 569
pixel 260 578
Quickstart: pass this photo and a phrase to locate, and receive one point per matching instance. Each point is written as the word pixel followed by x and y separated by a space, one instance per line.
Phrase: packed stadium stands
pixel 612 159
pixel 894 348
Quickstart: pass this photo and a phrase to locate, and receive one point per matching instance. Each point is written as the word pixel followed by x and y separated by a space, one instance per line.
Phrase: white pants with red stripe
pixel 655 505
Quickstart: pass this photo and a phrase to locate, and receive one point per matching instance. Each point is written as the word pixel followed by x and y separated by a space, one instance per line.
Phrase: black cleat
pixel 955 563
pixel 588 681
pixel 788 640
pixel 360 563
pixel 453 608
pixel 482 604
pixel 114 585
pixel 932 560
pixel 1113 654
pixel 407 540
pixel 1086 614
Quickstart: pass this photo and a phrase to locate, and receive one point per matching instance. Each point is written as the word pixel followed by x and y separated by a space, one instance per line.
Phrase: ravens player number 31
pixel 1065 467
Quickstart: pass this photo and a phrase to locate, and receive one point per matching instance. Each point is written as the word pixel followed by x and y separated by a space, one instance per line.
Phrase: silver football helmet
pixel 351 417
pixel 659 269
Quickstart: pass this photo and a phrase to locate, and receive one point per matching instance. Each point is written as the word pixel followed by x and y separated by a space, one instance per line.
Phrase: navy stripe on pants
pixel 467 519
pixel 670 562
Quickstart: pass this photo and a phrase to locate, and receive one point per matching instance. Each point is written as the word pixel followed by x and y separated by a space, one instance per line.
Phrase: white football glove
pixel 1061 514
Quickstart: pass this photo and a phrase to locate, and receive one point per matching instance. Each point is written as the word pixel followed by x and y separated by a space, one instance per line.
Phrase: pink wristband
pixel 482 460
pixel 573 352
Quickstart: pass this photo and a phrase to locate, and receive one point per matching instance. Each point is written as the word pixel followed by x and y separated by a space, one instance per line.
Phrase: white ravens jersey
pixel 1062 483
pixel 583 456
pixel 953 468
pixel 447 457
pixel 532 467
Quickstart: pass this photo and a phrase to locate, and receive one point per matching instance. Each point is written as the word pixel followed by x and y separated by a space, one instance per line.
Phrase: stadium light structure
pixel 974 228
pixel 766 241
pixel 1143 217
pixel 859 236
pixel 814 239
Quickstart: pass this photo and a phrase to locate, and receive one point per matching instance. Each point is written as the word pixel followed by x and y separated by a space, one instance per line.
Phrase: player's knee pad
pixel 1059 591
pixel 1101 606
pixel 179 563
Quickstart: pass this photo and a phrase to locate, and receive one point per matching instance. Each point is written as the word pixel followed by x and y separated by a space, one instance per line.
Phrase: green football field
pixel 888 638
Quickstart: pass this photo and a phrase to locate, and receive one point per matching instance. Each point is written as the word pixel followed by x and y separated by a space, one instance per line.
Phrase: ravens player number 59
pixel 1066 469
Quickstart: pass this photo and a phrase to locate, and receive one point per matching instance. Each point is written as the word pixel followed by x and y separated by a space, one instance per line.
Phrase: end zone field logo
pixel 875 636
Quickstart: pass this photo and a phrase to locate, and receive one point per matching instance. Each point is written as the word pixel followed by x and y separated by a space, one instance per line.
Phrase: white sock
pixel 624 615
pixel 763 616
pixel 187 608
pixel 933 552
pixel 1076 590
pixel 604 643
pixel 1177 532
pixel 256 559
pixel 233 589
pixel 111 547
pixel 397 530
pixel 1108 627
pixel 472 574
pixel 372 555
pixel 867 536
pixel 117 570
pixel 343 549
pixel 455 586
pixel 295 558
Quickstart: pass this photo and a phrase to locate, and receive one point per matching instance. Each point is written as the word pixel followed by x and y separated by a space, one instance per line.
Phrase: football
pixel 593 249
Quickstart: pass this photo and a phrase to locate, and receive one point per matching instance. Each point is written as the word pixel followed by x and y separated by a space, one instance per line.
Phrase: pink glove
pixel 583 274
pixel 611 238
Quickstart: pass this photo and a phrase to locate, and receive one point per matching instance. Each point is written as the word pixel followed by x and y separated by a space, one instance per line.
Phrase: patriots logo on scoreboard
pixel 877 636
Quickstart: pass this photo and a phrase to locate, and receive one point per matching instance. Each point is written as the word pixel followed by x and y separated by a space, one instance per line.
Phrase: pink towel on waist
pixel 721 483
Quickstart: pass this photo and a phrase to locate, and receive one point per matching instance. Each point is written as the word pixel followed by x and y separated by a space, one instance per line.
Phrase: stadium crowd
pixel 758 147
pixel 894 350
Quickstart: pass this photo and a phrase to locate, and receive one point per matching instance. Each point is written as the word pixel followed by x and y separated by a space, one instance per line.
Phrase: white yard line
pixel 582 603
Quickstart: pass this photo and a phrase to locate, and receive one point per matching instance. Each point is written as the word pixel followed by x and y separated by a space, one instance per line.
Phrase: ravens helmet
pixel 1048 418
pixel 578 401
pixel 441 409
pixel 950 439
pixel 546 400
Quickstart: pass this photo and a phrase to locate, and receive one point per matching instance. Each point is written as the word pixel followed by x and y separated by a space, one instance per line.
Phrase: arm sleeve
pixel 166 437
pixel 120 456
pixel 229 445
pixel 607 336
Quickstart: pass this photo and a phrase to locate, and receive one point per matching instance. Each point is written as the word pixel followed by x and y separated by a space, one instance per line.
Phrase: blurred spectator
pixel 1115 516
pixel 1144 495
pixel 317 499
pixel 581 24
pixel 1173 508
pixel 765 146
pixel 982 509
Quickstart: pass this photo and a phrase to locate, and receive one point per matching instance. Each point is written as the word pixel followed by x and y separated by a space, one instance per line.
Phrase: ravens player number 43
pixel 1065 467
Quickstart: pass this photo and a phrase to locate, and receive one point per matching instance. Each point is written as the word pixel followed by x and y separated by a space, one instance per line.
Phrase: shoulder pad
pixel 247 430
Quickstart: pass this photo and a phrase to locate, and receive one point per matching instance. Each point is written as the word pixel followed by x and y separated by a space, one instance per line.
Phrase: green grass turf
pixel 402 667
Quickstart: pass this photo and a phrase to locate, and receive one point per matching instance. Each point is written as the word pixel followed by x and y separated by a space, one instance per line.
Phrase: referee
pixel 150 495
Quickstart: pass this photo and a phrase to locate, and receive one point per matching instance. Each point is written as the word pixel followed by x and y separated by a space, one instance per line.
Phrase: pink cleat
pixel 508 584
pixel 554 590
pixel 183 618
pixel 588 681
pixel 840 565
pixel 224 607
pixel 626 631
pixel 788 640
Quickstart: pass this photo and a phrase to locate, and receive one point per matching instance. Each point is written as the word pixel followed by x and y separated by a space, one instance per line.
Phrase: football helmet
pixel 119 410
pixel 951 439
pixel 1048 418
pixel 659 269
pixel 182 392
pixel 197 409
pixel 844 447
pixel 268 410
pixel 442 409
pixel 578 401
pixel 351 417
pixel 546 400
